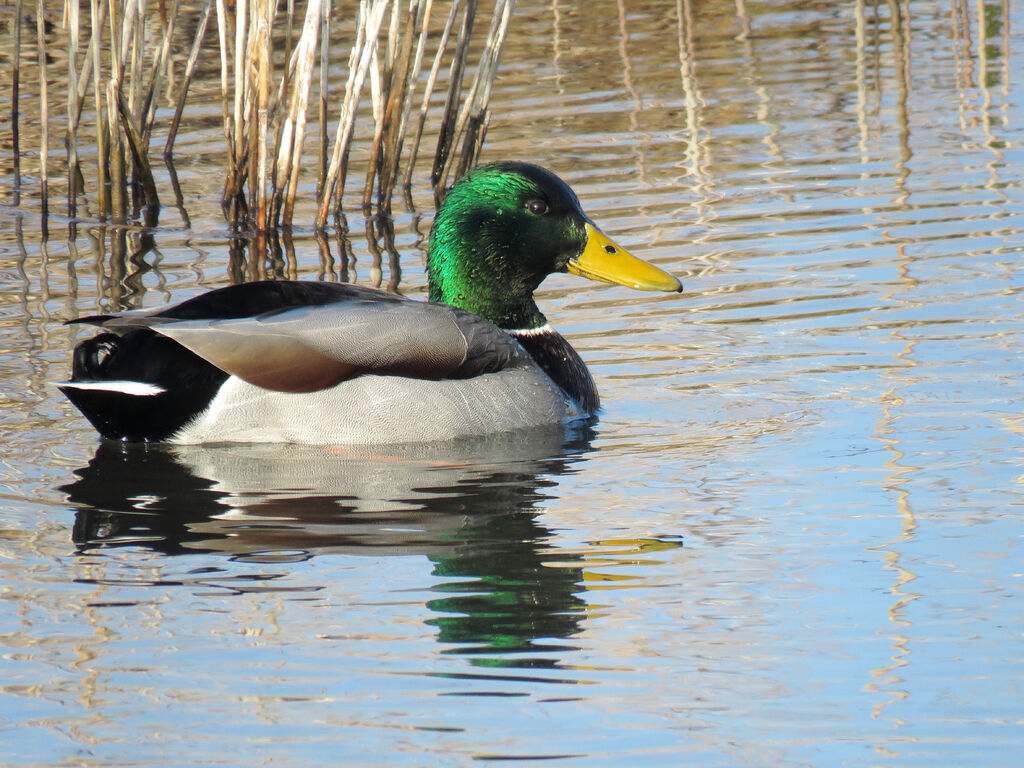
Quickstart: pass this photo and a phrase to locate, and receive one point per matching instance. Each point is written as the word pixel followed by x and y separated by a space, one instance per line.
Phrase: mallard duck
pixel 327 363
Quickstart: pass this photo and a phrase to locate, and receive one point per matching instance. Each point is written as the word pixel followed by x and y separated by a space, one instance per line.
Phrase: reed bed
pixel 272 57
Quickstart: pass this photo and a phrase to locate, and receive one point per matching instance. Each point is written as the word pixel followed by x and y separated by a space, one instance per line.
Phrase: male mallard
pixel 326 363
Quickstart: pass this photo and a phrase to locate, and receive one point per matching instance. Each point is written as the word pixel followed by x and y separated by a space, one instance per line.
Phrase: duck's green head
pixel 504 227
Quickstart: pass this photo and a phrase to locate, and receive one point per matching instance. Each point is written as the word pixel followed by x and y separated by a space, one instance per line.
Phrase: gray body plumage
pixel 382 409
pixel 355 366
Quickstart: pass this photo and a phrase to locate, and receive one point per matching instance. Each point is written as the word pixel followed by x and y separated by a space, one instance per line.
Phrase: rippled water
pixel 793 538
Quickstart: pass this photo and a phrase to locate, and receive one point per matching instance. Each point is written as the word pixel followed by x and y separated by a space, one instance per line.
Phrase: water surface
pixel 793 538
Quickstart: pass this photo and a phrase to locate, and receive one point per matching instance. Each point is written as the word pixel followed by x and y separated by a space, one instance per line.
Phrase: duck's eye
pixel 537 207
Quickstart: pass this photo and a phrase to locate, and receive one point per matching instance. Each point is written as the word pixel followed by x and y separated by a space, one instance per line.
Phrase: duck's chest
pixel 562 364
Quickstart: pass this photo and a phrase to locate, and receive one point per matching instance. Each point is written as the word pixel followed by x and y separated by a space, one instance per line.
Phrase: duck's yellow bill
pixel 603 260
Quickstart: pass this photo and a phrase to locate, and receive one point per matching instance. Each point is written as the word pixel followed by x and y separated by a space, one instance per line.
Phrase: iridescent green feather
pixel 489 251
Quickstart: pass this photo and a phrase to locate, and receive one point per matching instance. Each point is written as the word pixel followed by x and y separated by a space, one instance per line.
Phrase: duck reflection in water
pixel 470 507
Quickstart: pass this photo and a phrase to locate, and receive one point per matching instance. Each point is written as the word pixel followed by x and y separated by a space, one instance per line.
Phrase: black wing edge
pixel 265 297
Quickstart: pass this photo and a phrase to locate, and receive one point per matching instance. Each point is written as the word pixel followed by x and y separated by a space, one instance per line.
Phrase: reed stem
pixel 15 98
pixel 325 30
pixel 423 22
pixel 473 118
pixel 446 135
pixel 44 117
pixel 137 39
pixel 222 37
pixel 238 134
pixel 190 68
pixel 262 47
pixel 71 136
pixel 429 89
pixel 147 112
pixel 97 16
pixel 96 32
pixel 118 190
pixel 359 64
pixel 139 152
pixel 294 124
pixel 386 141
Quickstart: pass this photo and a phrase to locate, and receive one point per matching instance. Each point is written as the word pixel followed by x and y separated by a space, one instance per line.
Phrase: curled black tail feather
pixel 93 357
pixel 188 384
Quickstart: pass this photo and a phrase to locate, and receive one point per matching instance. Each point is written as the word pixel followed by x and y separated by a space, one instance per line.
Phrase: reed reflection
pixel 470 507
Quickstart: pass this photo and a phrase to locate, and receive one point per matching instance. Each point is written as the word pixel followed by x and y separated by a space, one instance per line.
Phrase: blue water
pixel 793 538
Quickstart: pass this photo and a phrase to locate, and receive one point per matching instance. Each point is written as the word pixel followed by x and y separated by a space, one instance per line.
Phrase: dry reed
pixel 44 117
pixel 15 99
pixel 190 69
pixel 127 57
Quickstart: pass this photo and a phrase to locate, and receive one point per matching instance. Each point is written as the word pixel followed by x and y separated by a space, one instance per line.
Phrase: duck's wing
pixel 303 337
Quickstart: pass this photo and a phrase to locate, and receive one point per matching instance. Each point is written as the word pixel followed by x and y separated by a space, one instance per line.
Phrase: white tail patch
pixel 136 388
